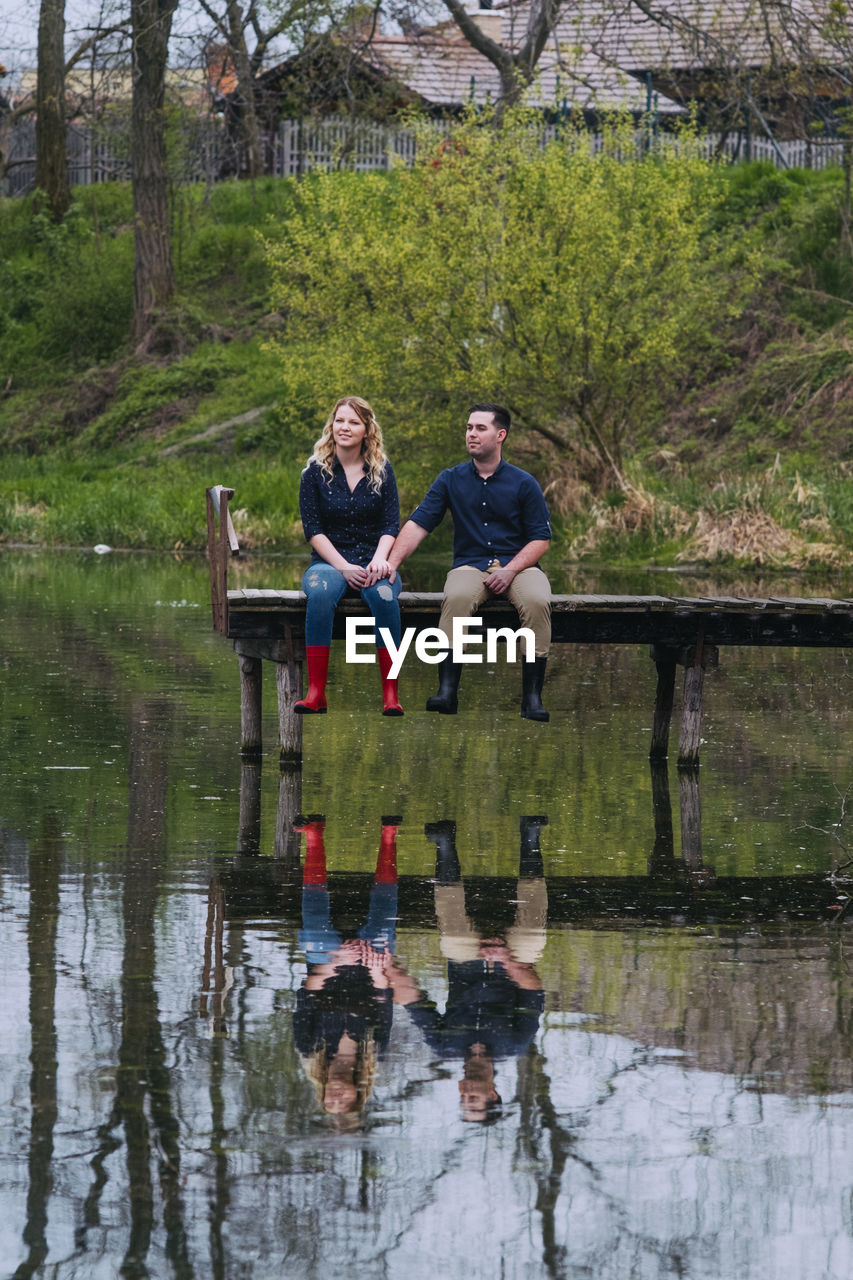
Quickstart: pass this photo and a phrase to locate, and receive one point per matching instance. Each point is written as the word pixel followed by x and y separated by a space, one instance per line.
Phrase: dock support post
pixel 250 702
pixel 288 678
pixel 691 720
pixel 665 660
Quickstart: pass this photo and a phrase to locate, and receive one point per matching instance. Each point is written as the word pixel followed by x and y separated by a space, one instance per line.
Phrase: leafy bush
pixel 572 287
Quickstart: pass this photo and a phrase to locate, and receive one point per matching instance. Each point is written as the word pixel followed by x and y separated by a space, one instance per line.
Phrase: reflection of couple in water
pixel 344 1010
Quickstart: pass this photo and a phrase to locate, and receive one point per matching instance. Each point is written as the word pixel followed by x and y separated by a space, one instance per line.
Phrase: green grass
pixel 157 505
pixel 100 445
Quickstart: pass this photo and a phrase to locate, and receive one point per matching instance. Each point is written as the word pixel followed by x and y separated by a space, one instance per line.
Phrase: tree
pixel 153 278
pixel 572 287
pixel 51 165
pixel 231 24
pixel 516 65
pixel 243 39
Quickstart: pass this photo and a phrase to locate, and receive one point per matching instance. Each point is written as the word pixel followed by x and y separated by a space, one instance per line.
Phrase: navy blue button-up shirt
pixel 493 516
pixel 353 521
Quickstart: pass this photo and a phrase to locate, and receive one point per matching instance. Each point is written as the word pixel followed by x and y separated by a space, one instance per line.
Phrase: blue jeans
pixel 324 587
pixel 318 937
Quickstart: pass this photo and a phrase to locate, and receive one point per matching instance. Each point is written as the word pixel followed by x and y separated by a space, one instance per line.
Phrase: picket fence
pixel 97 155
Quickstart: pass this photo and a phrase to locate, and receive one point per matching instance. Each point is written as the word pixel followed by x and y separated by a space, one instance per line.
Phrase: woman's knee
pixel 381 600
pixel 322 582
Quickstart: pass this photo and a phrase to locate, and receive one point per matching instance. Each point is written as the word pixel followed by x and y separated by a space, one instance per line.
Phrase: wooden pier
pixel 269 625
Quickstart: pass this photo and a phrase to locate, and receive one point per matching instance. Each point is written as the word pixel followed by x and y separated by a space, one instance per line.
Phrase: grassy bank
pixel 747 460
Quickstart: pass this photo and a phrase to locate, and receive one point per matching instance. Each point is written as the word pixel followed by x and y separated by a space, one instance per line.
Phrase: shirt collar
pixel 337 469
pixel 486 479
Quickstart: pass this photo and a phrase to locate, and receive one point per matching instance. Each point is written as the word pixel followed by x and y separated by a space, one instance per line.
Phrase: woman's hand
pixel 378 569
pixel 355 575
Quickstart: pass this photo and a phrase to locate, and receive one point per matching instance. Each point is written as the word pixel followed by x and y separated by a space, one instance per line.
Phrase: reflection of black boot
pixel 532 679
pixel 445 701
pixel 443 836
pixel 530 855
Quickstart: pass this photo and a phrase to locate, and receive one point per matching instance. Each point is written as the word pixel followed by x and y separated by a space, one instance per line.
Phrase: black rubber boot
pixel 443 835
pixel 532 679
pixel 530 866
pixel 445 701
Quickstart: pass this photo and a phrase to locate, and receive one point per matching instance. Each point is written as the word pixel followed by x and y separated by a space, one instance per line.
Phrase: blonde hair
pixel 316 1066
pixel 371 446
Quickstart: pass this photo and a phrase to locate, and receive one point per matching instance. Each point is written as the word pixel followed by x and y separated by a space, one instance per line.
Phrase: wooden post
pixel 249 835
pixel 288 678
pixel 664 659
pixel 250 702
pixel 691 720
pixel 218 547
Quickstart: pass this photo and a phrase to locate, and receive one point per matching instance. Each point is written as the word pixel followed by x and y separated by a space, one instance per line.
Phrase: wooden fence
pixel 102 154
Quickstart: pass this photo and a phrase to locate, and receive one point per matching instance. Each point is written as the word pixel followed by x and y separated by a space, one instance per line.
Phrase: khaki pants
pixel 530 594
pixel 460 940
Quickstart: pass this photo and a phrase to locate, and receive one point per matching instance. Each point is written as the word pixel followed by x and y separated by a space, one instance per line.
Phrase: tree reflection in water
pixel 143 1104
pixel 678 1100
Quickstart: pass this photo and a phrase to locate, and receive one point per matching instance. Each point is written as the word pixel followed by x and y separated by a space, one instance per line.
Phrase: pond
pixel 590 1019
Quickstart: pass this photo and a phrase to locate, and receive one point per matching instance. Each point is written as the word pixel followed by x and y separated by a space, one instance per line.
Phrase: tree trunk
pixel 153 280
pixel 248 120
pixel 51 163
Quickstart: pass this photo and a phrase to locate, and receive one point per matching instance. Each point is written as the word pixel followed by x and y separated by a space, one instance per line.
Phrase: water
pixel 666 1017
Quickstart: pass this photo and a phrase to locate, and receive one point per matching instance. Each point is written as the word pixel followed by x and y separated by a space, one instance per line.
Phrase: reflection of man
pixel 495 997
pixel 501 530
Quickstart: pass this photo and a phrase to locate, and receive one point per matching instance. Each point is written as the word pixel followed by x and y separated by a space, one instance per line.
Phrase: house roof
pixel 444 69
pixel 689 34
pixel 601 52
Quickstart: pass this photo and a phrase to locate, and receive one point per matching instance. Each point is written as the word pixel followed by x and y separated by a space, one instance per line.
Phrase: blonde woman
pixel 351 516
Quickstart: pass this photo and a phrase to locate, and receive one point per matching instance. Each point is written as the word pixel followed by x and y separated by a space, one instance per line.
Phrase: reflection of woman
pixel 351 515
pixel 344 1010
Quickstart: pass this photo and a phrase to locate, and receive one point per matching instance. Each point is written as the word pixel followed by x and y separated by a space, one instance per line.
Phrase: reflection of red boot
pixel 314 827
pixel 386 860
pixel 390 701
pixel 317 661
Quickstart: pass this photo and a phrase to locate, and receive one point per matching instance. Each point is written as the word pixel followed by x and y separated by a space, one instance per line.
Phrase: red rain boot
pixel 314 869
pixel 390 702
pixel 317 661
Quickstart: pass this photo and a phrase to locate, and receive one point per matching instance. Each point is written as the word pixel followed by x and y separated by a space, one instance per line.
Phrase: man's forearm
pixel 410 536
pixel 530 554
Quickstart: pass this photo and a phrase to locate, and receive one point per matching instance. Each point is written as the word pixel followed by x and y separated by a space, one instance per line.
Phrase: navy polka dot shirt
pixel 353 521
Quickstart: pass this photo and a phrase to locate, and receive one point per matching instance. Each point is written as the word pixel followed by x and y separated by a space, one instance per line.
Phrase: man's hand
pixel 377 570
pixel 500 581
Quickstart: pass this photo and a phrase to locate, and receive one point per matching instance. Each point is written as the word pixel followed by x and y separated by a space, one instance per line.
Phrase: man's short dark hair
pixel 502 416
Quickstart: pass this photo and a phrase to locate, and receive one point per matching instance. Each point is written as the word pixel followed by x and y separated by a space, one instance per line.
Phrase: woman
pixel 351 516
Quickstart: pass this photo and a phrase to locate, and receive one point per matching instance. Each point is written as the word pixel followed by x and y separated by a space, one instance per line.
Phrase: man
pixel 501 529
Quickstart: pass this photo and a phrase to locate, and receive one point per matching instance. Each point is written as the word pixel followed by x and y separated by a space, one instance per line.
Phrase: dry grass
pixel 749 536
pixel 640 512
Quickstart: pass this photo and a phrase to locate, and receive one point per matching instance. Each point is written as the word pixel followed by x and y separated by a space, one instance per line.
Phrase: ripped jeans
pixel 324 587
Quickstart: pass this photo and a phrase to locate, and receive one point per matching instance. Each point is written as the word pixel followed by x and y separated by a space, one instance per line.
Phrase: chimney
pixel 490 22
